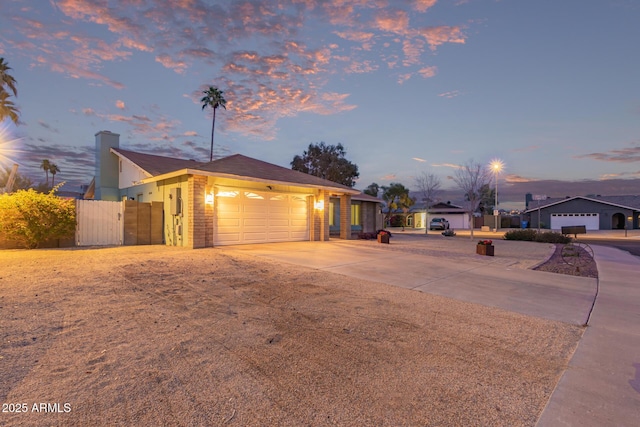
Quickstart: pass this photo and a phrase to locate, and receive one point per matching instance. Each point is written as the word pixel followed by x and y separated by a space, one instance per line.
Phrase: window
pixel 355 214
pixel 250 195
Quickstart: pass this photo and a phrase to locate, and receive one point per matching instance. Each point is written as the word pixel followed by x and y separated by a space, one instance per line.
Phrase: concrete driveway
pixel 602 383
pixel 449 267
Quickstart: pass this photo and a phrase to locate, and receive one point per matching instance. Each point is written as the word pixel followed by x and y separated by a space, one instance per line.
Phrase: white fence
pixel 99 223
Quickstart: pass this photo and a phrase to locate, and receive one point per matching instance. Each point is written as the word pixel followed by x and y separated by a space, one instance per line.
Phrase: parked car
pixel 439 224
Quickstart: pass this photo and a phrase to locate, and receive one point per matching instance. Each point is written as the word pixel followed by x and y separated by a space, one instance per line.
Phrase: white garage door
pixel 457 221
pixel 590 220
pixel 248 216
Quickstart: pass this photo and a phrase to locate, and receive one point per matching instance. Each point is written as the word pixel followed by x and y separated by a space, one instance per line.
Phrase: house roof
pixel 155 165
pixel 439 207
pixel 234 166
pixel 366 198
pixel 625 202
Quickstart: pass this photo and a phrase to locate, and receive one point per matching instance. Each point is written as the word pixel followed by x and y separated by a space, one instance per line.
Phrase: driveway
pixel 601 385
pixel 449 267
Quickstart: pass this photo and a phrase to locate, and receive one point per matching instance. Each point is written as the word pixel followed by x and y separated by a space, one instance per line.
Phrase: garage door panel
pixel 254 237
pixel 228 208
pixel 257 217
pixel 228 222
pixel 254 222
pixel 279 210
pixel 284 222
pixel 228 238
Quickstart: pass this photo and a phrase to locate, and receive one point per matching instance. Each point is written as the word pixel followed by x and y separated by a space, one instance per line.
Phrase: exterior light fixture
pixel 319 205
pixel 208 198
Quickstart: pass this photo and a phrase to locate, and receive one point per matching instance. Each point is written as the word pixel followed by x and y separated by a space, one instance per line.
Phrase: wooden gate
pixel 143 223
pixel 98 223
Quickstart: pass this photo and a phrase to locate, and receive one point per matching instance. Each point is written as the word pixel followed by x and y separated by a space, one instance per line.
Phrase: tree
pixel 396 196
pixel 7 107
pixel 327 162
pixel 213 97
pixel 21 182
pixel 373 189
pixel 32 218
pixel 470 178
pixel 54 169
pixel 429 185
pixel 45 165
pixel 487 200
pixel 6 79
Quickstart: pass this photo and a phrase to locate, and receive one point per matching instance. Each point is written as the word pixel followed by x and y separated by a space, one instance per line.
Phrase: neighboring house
pixel 233 200
pixel 417 216
pixel 594 212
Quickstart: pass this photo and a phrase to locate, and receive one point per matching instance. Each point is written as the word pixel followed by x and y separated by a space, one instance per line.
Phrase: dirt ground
pixel 163 336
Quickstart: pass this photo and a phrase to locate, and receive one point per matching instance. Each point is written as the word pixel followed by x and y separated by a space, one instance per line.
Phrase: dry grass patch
pixel 164 336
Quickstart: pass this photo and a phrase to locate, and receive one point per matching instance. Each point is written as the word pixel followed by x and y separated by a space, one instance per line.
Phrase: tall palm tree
pixel 6 79
pixel 54 169
pixel 45 165
pixel 213 98
pixel 7 107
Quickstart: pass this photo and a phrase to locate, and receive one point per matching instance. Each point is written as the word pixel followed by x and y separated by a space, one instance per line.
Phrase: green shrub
pixel 31 218
pixel 552 237
pixel 532 235
pixel 527 234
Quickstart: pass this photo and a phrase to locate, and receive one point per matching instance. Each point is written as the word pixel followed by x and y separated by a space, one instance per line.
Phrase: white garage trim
pixel 590 220
pixel 250 216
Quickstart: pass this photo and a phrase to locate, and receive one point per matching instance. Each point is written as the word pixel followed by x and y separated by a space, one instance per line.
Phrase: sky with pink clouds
pixel 407 86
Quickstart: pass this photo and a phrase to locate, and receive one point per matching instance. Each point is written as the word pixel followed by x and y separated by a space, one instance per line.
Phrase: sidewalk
pixel 631 235
pixel 601 386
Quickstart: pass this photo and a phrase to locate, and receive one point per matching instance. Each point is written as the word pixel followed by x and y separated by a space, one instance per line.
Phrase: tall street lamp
pixel 496 167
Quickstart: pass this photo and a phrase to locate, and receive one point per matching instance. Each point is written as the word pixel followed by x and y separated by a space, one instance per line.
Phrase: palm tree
pixel 54 169
pixel 45 166
pixel 213 98
pixel 7 107
pixel 6 79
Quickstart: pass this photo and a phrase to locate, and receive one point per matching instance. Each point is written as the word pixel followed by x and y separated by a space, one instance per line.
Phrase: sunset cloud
pixel 436 36
pixel 624 155
pixel 428 72
pixel 449 95
pixel 511 178
pixel 120 104
pixel 623 175
pixel 423 5
pixel 448 165
pixel 283 73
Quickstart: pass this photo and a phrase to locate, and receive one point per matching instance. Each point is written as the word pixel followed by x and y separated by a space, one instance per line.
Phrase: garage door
pixel 590 220
pixel 247 216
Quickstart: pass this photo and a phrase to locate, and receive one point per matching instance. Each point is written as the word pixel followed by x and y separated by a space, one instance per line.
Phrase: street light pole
pixel 497 166
pixel 495 214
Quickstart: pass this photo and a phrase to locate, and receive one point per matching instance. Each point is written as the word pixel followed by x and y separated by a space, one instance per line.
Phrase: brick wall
pixel 196 217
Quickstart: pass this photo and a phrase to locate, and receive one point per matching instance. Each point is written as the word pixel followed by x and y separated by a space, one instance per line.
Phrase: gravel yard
pixel 163 336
